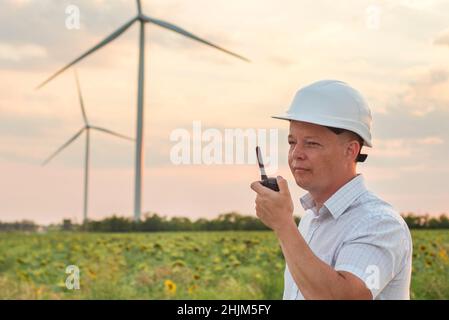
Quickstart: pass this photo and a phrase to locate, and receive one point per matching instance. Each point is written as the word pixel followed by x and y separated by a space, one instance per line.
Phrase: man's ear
pixel 351 145
pixel 352 149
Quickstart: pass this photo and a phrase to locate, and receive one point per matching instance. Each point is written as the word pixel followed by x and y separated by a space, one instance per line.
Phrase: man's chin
pixel 302 184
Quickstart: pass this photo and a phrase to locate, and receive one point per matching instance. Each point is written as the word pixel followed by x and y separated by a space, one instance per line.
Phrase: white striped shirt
pixel 357 232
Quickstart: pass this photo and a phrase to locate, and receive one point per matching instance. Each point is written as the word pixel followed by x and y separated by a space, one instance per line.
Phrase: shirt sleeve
pixel 375 252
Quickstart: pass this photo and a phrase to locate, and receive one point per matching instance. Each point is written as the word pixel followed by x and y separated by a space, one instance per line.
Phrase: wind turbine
pixel 141 19
pixel 87 127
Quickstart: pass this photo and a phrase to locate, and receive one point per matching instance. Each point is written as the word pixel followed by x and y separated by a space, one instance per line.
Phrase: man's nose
pixel 298 152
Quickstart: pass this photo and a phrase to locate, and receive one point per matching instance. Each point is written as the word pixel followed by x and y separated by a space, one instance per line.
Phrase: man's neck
pixel 321 196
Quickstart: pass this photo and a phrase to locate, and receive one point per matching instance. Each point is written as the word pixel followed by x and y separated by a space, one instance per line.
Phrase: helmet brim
pixel 287 116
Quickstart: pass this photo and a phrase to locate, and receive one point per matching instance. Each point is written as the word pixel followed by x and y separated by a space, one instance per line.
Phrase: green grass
pixel 183 265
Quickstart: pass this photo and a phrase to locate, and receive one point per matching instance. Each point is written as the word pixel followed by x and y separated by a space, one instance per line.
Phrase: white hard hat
pixel 332 103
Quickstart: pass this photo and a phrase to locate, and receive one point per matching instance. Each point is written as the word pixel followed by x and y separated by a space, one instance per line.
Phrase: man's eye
pixel 291 142
pixel 312 144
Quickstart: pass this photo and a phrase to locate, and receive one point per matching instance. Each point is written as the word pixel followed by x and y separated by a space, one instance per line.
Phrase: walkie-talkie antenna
pixel 263 174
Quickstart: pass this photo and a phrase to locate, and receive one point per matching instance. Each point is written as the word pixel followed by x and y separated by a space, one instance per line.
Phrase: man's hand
pixel 274 209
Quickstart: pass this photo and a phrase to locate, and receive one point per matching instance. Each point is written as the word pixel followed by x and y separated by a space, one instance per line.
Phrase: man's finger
pixel 283 185
pixel 259 188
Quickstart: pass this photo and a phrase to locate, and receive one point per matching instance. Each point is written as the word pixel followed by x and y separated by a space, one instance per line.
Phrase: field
pixel 195 265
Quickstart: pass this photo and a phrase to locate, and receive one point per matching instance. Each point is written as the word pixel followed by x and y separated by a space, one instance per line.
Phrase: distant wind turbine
pixel 87 127
pixel 142 19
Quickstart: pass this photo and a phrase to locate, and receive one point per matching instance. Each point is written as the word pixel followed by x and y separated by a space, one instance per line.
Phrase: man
pixel 349 244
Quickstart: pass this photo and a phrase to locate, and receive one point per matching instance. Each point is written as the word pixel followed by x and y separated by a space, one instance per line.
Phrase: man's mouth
pixel 300 169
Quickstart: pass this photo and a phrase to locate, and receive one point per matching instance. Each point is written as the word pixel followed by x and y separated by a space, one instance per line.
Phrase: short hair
pixel 360 157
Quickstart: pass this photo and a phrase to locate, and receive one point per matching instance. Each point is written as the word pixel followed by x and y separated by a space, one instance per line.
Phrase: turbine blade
pixel 108 39
pixel 63 146
pixel 80 96
pixel 112 133
pixel 172 27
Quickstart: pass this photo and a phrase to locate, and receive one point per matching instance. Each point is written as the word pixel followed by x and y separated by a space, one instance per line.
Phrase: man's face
pixel 316 156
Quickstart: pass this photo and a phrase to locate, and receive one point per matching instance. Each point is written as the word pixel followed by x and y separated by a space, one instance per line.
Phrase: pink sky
pixel 399 64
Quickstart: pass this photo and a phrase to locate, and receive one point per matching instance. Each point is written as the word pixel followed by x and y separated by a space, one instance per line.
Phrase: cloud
pixel 425 93
pixel 409 149
pixel 42 24
pixel 411 130
pixel 281 61
pixel 418 4
pixel 427 130
pixel 442 39
pixel 18 53
pixel 431 78
pixel 403 139
pixel 391 148
pixel 430 141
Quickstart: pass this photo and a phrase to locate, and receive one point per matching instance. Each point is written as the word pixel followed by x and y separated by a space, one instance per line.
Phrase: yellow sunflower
pixel 170 286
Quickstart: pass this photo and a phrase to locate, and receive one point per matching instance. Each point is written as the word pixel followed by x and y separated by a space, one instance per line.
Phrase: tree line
pixel 152 222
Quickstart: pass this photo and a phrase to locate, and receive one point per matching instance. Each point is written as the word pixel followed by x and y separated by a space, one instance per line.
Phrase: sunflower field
pixel 175 265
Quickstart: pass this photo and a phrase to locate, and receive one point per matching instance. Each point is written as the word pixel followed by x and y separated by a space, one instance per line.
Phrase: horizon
pixel 209 218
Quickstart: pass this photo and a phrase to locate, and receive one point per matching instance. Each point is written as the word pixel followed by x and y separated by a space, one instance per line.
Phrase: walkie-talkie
pixel 270 183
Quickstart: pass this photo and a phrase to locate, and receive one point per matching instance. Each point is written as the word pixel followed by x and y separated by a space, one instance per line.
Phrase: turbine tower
pixel 87 127
pixel 141 18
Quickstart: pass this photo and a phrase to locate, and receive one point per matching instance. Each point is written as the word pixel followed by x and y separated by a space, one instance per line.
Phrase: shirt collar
pixel 341 199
